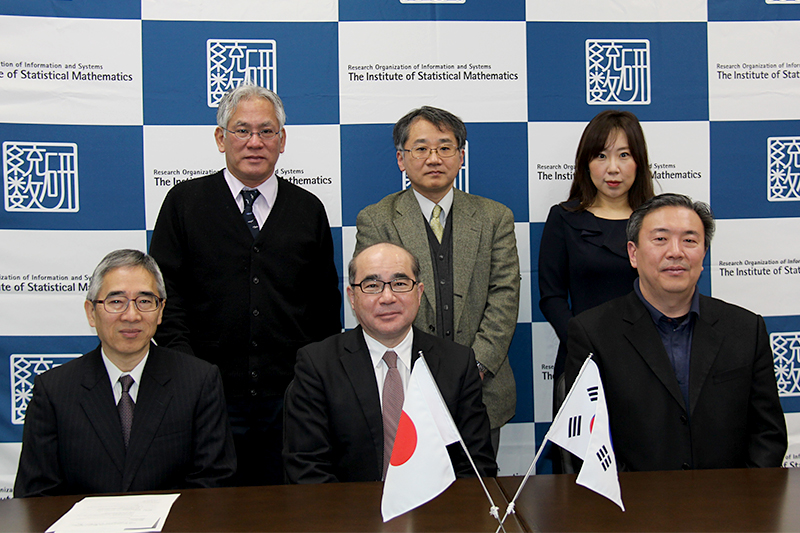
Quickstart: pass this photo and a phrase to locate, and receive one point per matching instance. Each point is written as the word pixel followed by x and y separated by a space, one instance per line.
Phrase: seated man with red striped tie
pixel 344 405
pixel 128 416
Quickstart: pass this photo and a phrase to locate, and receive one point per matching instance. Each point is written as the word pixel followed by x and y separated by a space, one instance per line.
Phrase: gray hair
pixel 438 117
pixel 351 267
pixel 125 259
pixel 671 200
pixel 246 91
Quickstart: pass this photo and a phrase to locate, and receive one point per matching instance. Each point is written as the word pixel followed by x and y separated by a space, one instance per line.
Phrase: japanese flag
pixel 420 467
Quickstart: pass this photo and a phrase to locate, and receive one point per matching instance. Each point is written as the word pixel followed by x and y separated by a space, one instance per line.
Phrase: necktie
pixel 436 222
pixel 392 406
pixel 125 408
pixel 249 196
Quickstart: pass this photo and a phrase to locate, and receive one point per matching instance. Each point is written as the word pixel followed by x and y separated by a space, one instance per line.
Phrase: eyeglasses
pixel 424 152
pixel 119 304
pixel 376 286
pixel 244 135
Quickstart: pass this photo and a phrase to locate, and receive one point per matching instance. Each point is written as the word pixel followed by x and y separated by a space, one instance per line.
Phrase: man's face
pixel 432 177
pixel 669 256
pixel 125 336
pixel 386 317
pixel 252 161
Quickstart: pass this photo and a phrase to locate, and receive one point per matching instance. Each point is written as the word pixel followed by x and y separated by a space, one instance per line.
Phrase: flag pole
pixel 494 510
pixel 511 505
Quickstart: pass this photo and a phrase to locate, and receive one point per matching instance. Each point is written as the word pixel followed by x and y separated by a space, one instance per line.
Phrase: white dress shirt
pixel 426 206
pixel 263 204
pixel 403 351
pixel 114 373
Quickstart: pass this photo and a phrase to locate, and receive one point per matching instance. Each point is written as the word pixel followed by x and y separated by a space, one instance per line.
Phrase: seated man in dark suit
pixel 342 409
pixel 689 380
pixel 129 415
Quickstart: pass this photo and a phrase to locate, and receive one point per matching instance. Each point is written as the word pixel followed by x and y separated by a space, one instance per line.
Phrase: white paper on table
pixel 142 513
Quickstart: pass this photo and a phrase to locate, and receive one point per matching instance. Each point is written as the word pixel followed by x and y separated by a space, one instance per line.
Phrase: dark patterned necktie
pixel 392 406
pixel 249 196
pixel 125 408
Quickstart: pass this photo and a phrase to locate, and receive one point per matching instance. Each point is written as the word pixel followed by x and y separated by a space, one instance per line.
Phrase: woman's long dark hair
pixel 593 141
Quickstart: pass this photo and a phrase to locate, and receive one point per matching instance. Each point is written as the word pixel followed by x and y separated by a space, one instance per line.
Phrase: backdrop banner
pixel 107 105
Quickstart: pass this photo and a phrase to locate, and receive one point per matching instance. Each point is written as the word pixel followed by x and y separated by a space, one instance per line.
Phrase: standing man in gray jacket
pixel 466 246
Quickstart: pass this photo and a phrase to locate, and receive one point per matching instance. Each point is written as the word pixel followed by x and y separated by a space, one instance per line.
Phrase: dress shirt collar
pixel 694 308
pixel 426 206
pixel 268 189
pixel 403 350
pixel 114 373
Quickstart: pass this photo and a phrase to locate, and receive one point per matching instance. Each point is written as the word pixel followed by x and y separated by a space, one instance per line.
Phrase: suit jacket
pixel 333 428
pixel 245 305
pixel 580 266
pixel 72 440
pixel 734 418
pixel 485 279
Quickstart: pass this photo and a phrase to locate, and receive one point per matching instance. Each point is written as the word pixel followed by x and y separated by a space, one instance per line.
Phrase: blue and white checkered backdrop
pixel 106 105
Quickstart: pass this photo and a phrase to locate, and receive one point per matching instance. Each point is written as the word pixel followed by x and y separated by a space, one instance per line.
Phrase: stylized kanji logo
pixel 24 368
pixel 617 71
pixel 232 62
pixel 786 356
pixel 783 169
pixel 462 180
pixel 40 177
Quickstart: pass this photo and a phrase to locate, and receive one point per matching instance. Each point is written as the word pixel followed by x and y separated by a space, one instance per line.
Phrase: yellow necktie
pixel 436 223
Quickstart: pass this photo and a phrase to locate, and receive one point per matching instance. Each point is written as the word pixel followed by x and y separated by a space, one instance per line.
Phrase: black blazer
pixel 580 267
pixel 333 429
pixel 734 418
pixel 72 440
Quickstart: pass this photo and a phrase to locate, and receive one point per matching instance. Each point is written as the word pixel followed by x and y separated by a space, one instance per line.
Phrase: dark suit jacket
pixel 485 279
pixel 734 418
pixel 72 440
pixel 245 305
pixel 580 267
pixel 333 430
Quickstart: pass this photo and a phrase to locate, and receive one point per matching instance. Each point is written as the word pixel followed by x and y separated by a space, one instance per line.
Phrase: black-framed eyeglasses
pixel 147 303
pixel 424 152
pixel 376 286
pixel 244 135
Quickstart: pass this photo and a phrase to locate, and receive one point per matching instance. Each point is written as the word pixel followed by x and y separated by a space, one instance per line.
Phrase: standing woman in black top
pixel 583 258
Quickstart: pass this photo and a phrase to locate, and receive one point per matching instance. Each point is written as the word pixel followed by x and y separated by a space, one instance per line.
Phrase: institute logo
pixel 786 355
pixel 462 180
pixel 24 368
pixel 783 169
pixel 618 71
pixel 232 62
pixel 40 177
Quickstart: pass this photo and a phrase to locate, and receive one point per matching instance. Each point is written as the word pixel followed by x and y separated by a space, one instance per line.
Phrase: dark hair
pixel 671 200
pixel 593 141
pixel 351 267
pixel 438 117
pixel 123 259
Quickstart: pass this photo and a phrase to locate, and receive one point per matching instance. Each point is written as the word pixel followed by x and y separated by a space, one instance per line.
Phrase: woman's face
pixel 613 170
